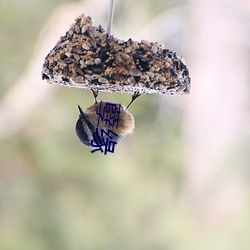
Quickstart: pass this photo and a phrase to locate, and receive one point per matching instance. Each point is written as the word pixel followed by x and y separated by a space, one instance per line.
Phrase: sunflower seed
pixel 88 77
pixel 61 62
pixel 69 60
pixel 95 76
pixel 154 49
pixel 103 80
pixel 134 72
pixel 77 79
pixel 88 62
pixel 68 54
pixel 64 43
pixel 120 42
pixel 78 70
pixel 150 74
pixel 144 78
pixel 131 80
pixel 85 46
pixel 145 42
pixel 77 57
pixel 77 29
pixel 84 29
pixel 135 45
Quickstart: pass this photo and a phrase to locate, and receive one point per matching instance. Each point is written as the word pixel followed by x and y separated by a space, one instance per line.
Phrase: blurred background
pixel 181 181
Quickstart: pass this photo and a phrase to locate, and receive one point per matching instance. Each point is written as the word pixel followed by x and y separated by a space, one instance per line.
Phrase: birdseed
pixel 87 57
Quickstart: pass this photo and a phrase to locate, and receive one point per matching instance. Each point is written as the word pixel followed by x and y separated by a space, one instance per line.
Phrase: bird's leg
pixel 95 94
pixel 134 97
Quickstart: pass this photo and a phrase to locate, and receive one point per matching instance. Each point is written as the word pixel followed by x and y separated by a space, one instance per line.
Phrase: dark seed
pixel 45 77
pixel 173 73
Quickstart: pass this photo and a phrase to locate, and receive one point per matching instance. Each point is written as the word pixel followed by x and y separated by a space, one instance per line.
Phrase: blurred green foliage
pixel 20 24
pixel 55 194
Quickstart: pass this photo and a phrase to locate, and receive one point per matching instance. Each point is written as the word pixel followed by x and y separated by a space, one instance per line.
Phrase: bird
pixel 91 127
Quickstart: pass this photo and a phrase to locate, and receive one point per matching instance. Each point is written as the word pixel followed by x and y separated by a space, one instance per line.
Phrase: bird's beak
pixel 82 115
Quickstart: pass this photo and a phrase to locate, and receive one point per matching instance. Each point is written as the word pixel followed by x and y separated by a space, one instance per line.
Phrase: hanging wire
pixel 110 15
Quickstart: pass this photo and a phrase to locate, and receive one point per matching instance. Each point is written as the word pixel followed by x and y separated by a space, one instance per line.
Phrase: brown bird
pixel 112 118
